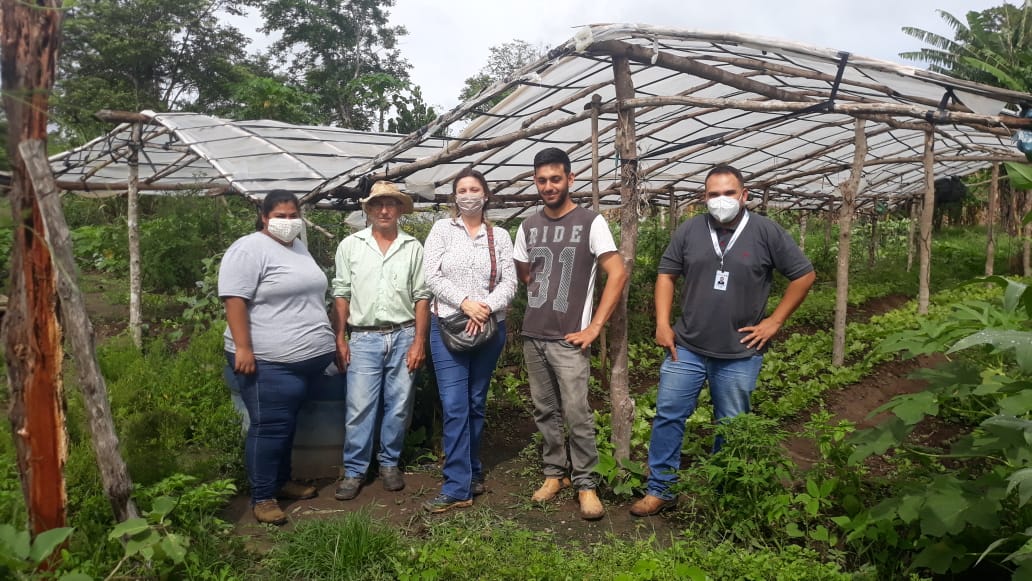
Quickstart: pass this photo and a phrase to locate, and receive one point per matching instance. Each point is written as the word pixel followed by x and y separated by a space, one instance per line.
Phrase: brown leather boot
pixel 294 490
pixel 268 512
pixel 550 488
pixel 590 506
pixel 651 505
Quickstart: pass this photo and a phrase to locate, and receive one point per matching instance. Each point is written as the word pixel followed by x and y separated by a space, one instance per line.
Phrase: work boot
pixel 348 489
pixel 294 490
pixel 651 505
pixel 268 512
pixel 590 505
pixel 478 488
pixel 392 478
pixel 444 503
pixel 550 488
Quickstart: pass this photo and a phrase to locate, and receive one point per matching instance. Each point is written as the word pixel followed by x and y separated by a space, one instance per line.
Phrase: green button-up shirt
pixel 381 288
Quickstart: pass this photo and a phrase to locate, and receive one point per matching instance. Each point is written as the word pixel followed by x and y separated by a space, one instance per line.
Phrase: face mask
pixel 469 204
pixel 723 208
pixel 285 229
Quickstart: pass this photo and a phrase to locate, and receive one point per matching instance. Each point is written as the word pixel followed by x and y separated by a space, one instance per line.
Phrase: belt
pixel 381 328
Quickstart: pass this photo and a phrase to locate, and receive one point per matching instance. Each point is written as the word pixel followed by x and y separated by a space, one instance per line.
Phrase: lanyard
pixel 731 242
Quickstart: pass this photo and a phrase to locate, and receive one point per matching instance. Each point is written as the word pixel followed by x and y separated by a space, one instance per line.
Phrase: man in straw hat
pixel 381 300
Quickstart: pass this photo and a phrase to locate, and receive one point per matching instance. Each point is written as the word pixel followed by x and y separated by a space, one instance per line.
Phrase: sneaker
pixel 348 489
pixel 392 478
pixel 550 488
pixel 651 505
pixel 444 503
pixel 478 488
pixel 294 490
pixel 268 512
pixel 590 506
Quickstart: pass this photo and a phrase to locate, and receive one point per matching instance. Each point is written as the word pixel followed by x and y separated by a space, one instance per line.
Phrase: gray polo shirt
pixel 710 318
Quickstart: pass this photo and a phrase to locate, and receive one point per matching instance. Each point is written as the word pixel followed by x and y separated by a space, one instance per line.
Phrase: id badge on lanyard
pixel 721 278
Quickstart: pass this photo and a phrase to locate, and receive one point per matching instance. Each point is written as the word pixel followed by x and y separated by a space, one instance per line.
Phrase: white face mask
pixel 285 229
pixel 469 204
pixel 723 208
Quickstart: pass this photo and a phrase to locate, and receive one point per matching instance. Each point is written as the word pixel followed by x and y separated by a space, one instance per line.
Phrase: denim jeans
pixel 273 395
pixel 558 375
pixel 379 394
pixel 731 383
pixel 462 380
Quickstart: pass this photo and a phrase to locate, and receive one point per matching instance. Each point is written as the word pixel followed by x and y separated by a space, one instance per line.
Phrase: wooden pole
pixel 925 239
pixel 30 34
pixel 990 220
pixel 849 191
pixel 113 472
pixel 911 231
pixel 802 230
pixel 673 212
pixel 619 393
pixel 135 282
pixel 596 103
pixel 872 244
pixel 1026 247
pixel 829 221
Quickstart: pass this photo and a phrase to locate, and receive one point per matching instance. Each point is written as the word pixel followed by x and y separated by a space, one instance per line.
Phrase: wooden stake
pixel 849 191
pixel 990 220
pixel 133 215
pixel 915 213
pixel 619 395
pixel 925 240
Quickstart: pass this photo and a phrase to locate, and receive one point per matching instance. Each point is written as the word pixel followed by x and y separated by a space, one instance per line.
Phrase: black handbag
pixel 453 328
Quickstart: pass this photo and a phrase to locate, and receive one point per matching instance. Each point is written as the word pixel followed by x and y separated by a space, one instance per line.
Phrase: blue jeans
pixel 273 395
pixel 379 394
pixel 462 380
pixel 731 382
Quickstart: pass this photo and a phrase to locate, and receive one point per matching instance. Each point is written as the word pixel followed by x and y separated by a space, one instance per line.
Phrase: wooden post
pixel 114 474
pixel 872 248
pixel 135 283
pixel 925 240
pixel 30 34
pixel 849 191
pixel 802 230
pixel 990 220
pixel 829 221
pixel 1026 246
pixel 596 103
pixel 911 230
pixel 619 393
pixel 673 211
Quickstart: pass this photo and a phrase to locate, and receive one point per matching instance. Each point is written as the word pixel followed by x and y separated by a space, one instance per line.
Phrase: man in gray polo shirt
pixel 727 258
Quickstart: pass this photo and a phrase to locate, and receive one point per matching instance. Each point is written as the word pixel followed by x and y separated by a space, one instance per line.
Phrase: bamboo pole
pixel 849 191
pixel 925 239
pixel 133 214
pixel 114 474
pixel 30 34
pixel 619 395
pixel 990 220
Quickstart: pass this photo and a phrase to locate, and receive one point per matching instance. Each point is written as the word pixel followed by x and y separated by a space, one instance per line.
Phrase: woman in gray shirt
pixel 278 341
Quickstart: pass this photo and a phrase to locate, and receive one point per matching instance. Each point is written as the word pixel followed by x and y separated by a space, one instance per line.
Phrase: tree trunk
pixel 927 212
pixel 849 191
pixel 990 220
pixel 29 39
pixel 619 393
pixel 135 284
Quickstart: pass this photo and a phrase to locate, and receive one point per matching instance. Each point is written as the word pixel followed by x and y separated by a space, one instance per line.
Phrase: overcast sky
pixel 448 40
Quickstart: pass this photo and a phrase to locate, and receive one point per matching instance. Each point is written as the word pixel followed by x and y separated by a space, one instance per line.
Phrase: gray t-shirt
pixel 710 318
pixel 285 292
pixel 563 255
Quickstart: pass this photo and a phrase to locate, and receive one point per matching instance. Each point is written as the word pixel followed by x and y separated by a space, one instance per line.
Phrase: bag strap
pixel 494 263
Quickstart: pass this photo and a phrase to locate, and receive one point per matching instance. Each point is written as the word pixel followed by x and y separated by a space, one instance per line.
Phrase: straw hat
pixel 386 189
